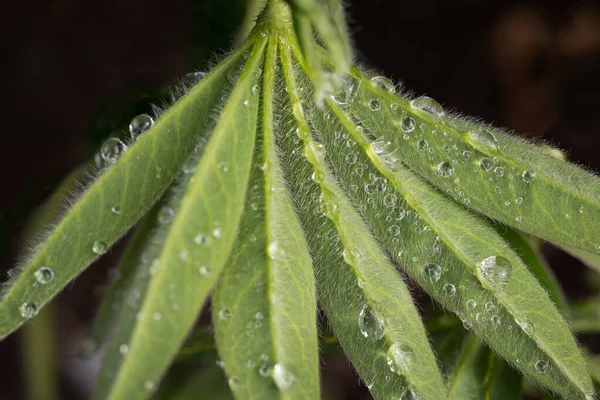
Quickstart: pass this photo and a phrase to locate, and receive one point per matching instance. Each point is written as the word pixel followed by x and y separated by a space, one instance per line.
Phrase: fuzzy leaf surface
pixel 443 246
pixel 266 333
pixel 134 183
pixel 366 301
pixel 205 216
pixel 493 173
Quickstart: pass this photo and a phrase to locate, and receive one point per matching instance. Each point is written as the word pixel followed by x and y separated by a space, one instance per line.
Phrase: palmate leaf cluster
pixel 277 184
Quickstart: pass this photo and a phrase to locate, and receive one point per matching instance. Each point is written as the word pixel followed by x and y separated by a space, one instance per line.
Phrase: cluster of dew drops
pixel 109 153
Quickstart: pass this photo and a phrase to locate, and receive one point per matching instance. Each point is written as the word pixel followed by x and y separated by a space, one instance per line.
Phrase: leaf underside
pixel 277 195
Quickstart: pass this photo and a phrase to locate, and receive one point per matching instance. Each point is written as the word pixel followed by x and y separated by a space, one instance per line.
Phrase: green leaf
pixel 195 246
pixel 528 248
pixel 108 312
pixel 585 316
pixel 456 256
pixel 366 302
pixel 132 185
pixel 210 381
pixel 474 372
pixel 501 176
pixel 266 333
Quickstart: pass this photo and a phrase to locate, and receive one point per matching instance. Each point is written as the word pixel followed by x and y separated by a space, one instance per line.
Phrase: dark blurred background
pixel 75 72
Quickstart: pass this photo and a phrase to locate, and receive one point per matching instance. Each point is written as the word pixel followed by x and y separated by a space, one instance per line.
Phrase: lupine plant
pixel 301 194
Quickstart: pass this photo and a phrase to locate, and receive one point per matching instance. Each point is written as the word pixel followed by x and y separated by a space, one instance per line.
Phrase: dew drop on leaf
pixel 410 394
pixel 111 150
pixel 224 314
pixel 374 105
pixel 202 239
pixel 140 124
pixel 499 172
pixel 369 324
pixel 541 366
pixel 28 310
pixel 275 251
pixel 432 272
pixel 495 270
pixel 116 210
pixel 486 164
pixel 282 377
pixel 422 145
pixel 166 215
pixel 429 105
pixel 389 200
pixel 485 138
pixel 234 383
pixel 449 290
pixel 407 124
pixel 123 349
pixel 525 325
pixel 217 232
pixel 471 304
pixel 528 175
pixel 149 385
pixel 446 169
pixel 489 306
pixel 400 357
pixel 351 158
pixel 44 275
pixel 99 247
pixel 205 270
pixel 496 320
pixel 383 83
pixel 518 200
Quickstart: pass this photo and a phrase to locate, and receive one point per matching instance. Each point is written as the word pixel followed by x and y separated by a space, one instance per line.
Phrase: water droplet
pixel 282 377
pixel 410 394
pixel 351 158
pixel 499 172
pixel 166 215
pixel 123 349
pixel 44 275
pixel 157 316
pixel 422 145
pixel 400 357
pixel 383 83
pixel 275 251
pixel 489 306
pixel 495 270
pixel 140 124
pixel 223 167
pixel 389 200
pixel 449 290
pixel 481 318
pixel 446 169
pixel 99 247
pixel 466 154
pixel 407 124
pixel 116 210
pixel 525 325
pixel 541 366
pixel 394 106
pixel 432 272
pixel 255 89
pixel 485 137
pixel 111 150
pixel 205 270
pixel 374 105
pixel 234 383
pixel 496 320
pixel 429 105
pixel 220 363
pixel 369 324
pixel 528 175
pixel 28 310
pixel 394 230
pixel 471 304
pixel 519 200
pixel 224 314
pixel 217 232
pixel 202 239
pixel 148 385
pixel 486 164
